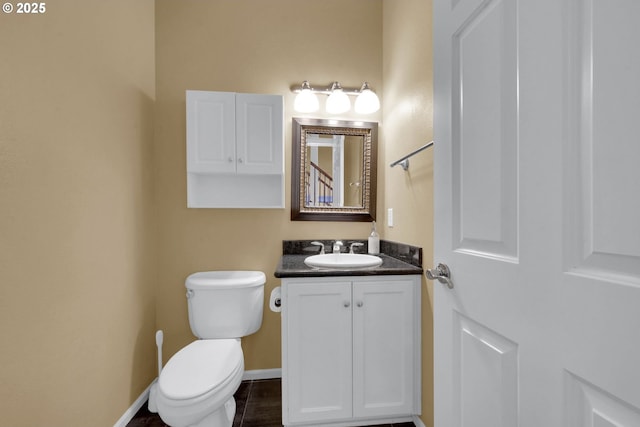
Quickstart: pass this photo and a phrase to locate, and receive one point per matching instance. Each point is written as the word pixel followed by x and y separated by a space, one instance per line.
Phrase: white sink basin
pixel 343 261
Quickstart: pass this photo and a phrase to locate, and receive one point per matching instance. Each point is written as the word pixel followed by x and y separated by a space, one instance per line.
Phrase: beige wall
pixel 95 236
pixel 77 308
pixel 256 47
pixel 408 124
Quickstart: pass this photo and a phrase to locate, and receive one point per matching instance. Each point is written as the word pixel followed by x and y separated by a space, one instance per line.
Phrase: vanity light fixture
pixel 306 101
pixel 367 102
pixel 338 101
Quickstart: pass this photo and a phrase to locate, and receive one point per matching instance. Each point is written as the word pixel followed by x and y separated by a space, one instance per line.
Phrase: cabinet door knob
pixel 347 304
pixel 359 303
pixel 240 160
pixel 230 159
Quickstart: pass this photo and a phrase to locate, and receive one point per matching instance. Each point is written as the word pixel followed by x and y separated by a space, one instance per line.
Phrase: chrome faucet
pixel 356 244
pixel 337 246
pixel 321 246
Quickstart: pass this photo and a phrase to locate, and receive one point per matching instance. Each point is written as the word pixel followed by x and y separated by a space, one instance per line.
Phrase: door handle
pixel 441 273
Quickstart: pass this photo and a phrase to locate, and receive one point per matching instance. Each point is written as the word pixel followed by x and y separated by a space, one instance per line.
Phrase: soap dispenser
pixel 374 241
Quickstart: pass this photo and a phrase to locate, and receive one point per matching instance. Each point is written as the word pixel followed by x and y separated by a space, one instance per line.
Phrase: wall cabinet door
pixel 211 132
pixel 234 133
pixel 259 134
pixel 384 340
pixel 317 373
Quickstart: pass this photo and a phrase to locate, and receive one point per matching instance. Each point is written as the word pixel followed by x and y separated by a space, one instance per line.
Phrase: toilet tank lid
pixel 225 279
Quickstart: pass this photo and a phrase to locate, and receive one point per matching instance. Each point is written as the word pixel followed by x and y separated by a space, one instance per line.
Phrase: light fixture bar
pixel 349 91
pixel 367 101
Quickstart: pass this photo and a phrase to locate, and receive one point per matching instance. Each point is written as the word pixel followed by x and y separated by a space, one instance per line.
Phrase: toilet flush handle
pixel 190 293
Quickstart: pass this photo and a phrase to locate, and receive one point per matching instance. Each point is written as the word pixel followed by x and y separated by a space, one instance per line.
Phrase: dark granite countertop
pixel 397 259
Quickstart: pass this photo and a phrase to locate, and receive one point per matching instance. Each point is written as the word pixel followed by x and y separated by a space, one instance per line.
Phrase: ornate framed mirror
pixel 334 166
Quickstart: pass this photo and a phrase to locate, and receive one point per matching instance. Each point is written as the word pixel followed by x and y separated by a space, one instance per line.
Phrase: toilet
pixel 197 384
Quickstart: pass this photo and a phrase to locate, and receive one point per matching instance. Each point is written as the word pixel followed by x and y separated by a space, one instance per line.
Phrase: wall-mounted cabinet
pixel 235 150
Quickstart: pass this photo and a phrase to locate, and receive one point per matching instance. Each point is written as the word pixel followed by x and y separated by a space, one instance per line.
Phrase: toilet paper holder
pixel 275 300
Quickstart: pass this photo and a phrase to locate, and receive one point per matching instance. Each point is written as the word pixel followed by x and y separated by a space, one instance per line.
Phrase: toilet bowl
pixel 196 386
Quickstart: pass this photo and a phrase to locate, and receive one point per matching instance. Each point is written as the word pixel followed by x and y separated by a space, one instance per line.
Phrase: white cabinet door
pixel 385 334
pixel 234 132
pixel 211 132
pixel 259 134
pixel 317 340
pixel 351 349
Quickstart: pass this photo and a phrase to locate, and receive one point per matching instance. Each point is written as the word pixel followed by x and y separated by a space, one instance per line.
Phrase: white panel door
pixel 537 199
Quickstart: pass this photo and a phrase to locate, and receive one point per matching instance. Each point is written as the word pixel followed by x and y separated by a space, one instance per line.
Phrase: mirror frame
pixel 304 126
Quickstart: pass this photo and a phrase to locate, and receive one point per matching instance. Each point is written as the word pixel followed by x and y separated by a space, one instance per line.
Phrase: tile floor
pixel 258 404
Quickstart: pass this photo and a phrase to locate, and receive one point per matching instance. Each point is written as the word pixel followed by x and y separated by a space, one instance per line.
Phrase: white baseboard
pixel 262 374
pixel 418 422
pixel 134 408
pixel 258 374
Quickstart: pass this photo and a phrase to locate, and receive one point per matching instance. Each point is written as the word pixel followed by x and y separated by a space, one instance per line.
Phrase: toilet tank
pixel 225 304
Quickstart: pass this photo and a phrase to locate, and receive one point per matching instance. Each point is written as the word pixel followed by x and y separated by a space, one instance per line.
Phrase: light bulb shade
pixel 367 102
pixel 306 101
pixel 338 102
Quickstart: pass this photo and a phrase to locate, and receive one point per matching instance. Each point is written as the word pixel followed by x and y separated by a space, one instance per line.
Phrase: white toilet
pixel 196 386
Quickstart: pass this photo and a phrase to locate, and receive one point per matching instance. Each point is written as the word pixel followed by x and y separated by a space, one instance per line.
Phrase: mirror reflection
pixel 334 170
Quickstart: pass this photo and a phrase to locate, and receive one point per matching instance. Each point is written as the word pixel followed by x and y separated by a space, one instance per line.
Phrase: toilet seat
pixel 201 368
pixel 199 381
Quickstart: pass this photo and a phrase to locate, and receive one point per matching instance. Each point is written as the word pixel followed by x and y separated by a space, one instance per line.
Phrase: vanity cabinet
pixel 351 350
pixel 235 149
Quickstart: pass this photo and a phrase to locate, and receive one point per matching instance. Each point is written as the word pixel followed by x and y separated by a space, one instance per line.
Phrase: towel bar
pixel 404 162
